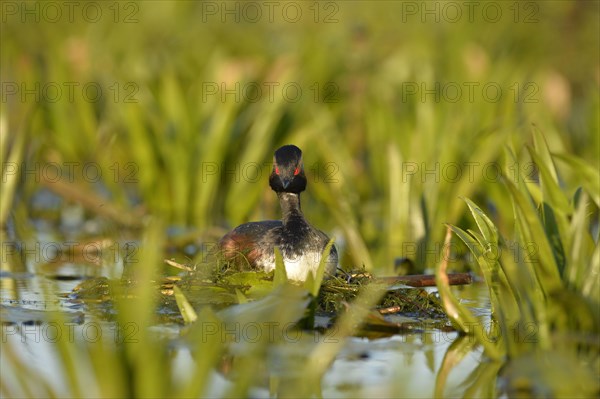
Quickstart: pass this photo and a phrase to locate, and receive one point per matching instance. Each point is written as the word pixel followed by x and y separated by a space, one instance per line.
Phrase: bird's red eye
pixel 276 170
pixel 296 171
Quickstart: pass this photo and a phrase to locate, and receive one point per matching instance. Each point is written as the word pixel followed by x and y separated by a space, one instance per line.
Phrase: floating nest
pixel 408 300
pixel 224 287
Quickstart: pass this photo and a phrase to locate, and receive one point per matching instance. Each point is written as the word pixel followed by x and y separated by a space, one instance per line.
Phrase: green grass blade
pixel 532 231
pixel 478 250
pixel 187 311
pixel 582 245
pixel 588 176
pixel 487 228
pixel 280 276
pixel 10 170
pixel 544 159
pixel 206 336
pixel 591 284
pixel 515 176
pixel 551 191
pixel 462 318
pixel 313 282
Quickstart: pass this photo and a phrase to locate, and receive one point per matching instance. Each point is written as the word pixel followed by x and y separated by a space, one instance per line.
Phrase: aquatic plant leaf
pixel 285 304
pixel 210 295
pixel 482 381
pixel 247 278
pixel 457 350
pixel 555 208
pixel 486 248
pixel 206 338
pixel 542 154
pixel 187 311
pixel 486 226
pixel 551 191
pixel 515 176
pixel 487 256
pixel 582 245
pixel 10 180
pixel 212 150
pixel 280 276
pixel 553 374
pixel 591 284
pixel 586 173
pixel 532 231
pixel 240 296
pixel 313 282
pixel 556 226
pixel 464 319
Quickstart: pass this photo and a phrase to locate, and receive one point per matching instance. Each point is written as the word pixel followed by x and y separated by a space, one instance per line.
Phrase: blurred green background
pixel 173 109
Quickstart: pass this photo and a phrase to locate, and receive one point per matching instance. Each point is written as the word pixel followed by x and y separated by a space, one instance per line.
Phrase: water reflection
pixel 426 363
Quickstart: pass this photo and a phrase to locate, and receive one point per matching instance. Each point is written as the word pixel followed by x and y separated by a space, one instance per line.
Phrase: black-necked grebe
pixel 301 245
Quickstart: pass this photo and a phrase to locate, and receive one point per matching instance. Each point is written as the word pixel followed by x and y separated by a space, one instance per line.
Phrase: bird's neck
pixel 290 207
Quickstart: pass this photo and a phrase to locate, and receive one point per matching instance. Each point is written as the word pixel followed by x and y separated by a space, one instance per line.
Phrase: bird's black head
pixel 288 170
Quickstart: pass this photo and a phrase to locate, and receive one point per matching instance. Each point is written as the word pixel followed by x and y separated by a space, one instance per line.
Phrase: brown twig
pixel 178 265
pixel 390 309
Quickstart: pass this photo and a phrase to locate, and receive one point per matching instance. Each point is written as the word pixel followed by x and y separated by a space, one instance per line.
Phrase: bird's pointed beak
pixel 285 182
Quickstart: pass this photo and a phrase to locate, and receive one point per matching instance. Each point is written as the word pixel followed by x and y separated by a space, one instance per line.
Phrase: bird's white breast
pixel 298 267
